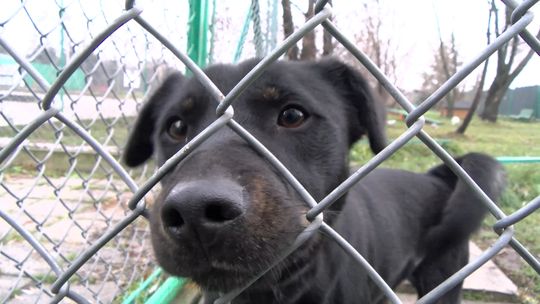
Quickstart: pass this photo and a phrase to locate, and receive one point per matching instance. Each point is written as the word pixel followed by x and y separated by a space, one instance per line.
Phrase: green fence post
pixel 198 32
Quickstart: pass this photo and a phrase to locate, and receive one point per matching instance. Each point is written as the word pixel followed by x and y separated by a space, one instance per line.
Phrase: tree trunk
pixel 288 28
pixel 328 44
pixel 476 101
pixel 450 96
pixel 449 105
pixel 494 98
pixel 481 81
pixel 309 49
pixel 506 58
pixel 501 83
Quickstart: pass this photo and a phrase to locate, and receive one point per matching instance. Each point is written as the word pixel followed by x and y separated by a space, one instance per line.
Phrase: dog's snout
pixel 201 206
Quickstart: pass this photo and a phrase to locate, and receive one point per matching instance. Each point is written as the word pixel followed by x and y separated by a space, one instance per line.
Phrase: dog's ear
pixel 139 147
pixel 369 115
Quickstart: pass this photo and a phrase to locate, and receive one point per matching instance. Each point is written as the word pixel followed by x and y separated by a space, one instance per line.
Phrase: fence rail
pixel 81 234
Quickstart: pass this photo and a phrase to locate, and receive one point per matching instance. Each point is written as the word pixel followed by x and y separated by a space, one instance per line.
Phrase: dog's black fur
pixel 224 213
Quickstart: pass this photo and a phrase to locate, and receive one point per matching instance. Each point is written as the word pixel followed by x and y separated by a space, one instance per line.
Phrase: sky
pixel 411 26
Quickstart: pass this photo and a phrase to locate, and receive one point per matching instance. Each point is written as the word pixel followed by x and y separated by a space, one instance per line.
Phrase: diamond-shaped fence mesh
pixel 73 221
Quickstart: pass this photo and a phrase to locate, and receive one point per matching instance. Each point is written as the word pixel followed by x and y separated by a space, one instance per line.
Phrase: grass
pixel 107 132
pixel 11 236
pixel 70 257
pixel 46 278
pixel 504 138
pixel 481 296
pixel 116 130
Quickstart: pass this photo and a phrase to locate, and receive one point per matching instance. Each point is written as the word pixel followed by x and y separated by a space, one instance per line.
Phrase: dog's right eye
pixel 177 129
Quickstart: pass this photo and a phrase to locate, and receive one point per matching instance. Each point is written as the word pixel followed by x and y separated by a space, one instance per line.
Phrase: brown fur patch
pixel 270 93
pixel 259 197
pixel 267 209
pixel 187 105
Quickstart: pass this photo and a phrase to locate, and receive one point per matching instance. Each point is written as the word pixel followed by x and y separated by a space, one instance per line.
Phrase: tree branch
pixel 524 61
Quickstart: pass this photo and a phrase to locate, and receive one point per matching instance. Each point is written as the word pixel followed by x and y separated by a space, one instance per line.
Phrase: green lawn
pixel 107 131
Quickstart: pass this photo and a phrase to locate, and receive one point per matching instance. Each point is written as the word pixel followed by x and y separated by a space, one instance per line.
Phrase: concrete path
pixel 489 277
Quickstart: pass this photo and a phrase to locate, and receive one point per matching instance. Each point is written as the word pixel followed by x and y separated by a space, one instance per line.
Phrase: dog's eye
pixel 292 117
pixel 177 129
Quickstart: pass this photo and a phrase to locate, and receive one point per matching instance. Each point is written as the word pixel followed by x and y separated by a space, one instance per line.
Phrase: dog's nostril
pixel 221 213
pixel 172 219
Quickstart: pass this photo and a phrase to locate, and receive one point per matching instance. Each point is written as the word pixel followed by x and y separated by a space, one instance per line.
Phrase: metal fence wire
pixel 76 228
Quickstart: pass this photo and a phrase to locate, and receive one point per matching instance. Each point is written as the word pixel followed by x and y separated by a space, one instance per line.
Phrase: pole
pixel 198 32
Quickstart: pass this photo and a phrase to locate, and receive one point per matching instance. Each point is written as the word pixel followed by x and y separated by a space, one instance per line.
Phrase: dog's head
pixel 224 213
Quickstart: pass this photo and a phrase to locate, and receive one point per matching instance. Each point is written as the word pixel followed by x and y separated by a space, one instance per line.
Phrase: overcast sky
pixel 412 26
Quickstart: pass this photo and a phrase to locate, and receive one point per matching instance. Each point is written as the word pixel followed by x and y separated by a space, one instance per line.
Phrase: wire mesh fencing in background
pixel 73 220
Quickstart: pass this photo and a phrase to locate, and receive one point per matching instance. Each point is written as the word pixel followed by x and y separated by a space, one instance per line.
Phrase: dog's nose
pixel 205 206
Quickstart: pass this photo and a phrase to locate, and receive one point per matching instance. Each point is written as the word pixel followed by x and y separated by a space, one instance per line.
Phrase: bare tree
pixel 476 100
pixel 508 67
pixel 372 39
pixel 446 63
pixel 376 45
pixel 309 48
pixel 481 79
pixel 288 28
pixel 328 45
pixel 450 64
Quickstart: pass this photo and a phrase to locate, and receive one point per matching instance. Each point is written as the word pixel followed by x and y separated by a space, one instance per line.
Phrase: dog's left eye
pixel 177 129
pixel 292 117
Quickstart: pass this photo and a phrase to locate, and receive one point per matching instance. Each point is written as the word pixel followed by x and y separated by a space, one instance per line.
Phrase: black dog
pixel 224 213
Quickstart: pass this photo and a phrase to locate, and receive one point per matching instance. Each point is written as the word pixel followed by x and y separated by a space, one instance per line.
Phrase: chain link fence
pixel 73 222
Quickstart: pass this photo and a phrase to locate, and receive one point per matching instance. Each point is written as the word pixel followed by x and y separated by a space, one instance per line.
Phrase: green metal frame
pixel 197 42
